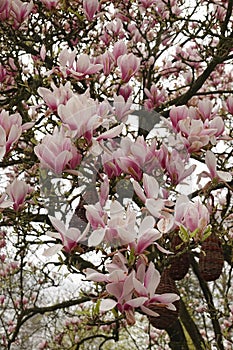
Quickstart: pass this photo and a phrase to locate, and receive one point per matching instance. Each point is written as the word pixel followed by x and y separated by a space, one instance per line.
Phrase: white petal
pixel 154 206
pixel 96 237
pixel 107 304
pixel 57 224
pixel 53 234
pixel 53 250
pixel 224 176
pixel 147 223
pixel 165 224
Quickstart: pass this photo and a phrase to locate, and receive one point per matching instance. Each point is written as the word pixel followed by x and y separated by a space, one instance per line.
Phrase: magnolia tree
pixel 116 174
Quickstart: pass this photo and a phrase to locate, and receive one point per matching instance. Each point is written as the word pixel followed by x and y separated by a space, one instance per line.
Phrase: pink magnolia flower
pixel 17 191
pixel 136 290
pixel 129 65
pixel 56 97
pixel 118 229
pixel 122 108
pixel 90 7
pixel 122 291
pixel 57 152
pixel 146 236
pixel 191 215
pixel 117 269
pixel 125 91
pixel 145 284
pixel 83 67
pixel 107 60
pixel 115 28
pixel 229 104
pixel 155 97
pixel 119 49
pixel 50 4
pixel 218 125
pixel 175 166
pixel 205 109
pixel 147 3
pixel 21 10
pixel 213 173
pixel 177 114
pixel 150 195
pixel 10 130
pixel 77 67
pixel 70 237
pixel 96 216
pixel 196 134
pixel 129 165
pixel 80 115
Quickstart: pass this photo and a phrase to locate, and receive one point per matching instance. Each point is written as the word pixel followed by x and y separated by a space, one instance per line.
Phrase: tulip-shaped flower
pixel 70 237
pixel 145 284
pixel 129 65
pixel 90 7
pixel 17 191
pixel 56 97
pixel 150 195
pixel 146 236
pixel 117 230
pixel 191 215
pixel 21 11
pixel 175 166
pixel 80 115
pixel 122 108
pixel 57 152
pixel 213 173
pixel 10 130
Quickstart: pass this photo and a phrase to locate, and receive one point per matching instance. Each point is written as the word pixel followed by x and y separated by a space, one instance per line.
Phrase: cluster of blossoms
pixel 197 127
pixel 92 61
pixel 16 11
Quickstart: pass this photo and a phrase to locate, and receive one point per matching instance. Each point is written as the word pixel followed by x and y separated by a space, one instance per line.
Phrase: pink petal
pixel 211 163
pixel 151 186
pixel 149 311
pixel 111 133
pixel 137 302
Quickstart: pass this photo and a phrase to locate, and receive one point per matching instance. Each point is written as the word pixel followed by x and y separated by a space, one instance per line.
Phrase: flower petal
pixel 107 304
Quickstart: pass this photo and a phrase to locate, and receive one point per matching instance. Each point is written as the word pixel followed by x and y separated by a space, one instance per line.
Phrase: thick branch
pixel 209 299
pixel 191 327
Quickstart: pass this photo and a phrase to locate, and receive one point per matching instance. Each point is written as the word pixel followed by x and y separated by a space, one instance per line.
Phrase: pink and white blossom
pixel 18 191
pixel 191 215
pixel 70 237
pixel 90 7
pixel 211 162
pixel 10 130
pixel 80 115
pixel 129 65
pixel 59 95
pixel 57 152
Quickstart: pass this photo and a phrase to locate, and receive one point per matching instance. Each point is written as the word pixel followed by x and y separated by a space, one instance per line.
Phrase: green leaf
pixel 206 234
pixel 183 233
